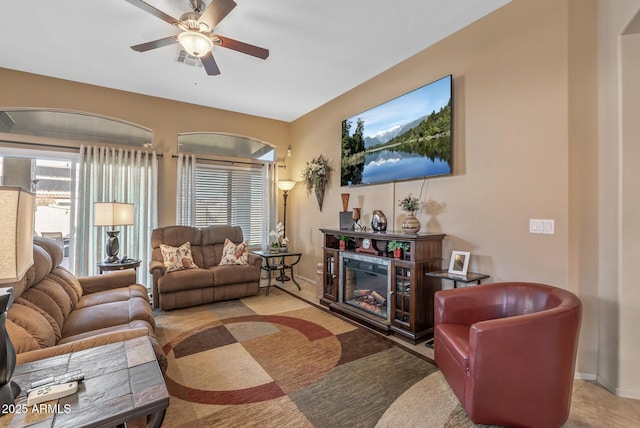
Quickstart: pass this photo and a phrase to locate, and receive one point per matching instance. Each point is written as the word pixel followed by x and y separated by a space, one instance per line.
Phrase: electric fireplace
pixel 365 285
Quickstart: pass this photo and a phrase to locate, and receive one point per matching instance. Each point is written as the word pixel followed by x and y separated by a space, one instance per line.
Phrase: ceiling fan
pixel 196 32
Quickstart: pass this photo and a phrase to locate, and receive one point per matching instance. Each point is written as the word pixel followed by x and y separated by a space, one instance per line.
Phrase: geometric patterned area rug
pixel 277 361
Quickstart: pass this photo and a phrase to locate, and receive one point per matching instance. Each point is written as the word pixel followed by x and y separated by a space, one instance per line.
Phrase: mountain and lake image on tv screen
pixel 405 138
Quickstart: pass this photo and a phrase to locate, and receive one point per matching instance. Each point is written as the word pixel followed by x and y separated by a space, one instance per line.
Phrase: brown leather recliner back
pixel 508 351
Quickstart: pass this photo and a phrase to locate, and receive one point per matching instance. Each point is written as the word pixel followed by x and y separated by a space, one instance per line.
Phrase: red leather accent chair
pixel 508 351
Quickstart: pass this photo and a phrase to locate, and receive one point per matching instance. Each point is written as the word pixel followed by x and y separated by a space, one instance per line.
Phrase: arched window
pixel 231 183
pixel 73 126
pixel 225 145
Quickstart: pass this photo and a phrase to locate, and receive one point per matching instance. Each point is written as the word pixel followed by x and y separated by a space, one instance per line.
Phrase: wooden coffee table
pixel 122 382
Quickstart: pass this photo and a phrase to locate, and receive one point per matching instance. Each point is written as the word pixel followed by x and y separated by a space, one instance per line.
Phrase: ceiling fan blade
pixel 216 11
pixel 153 11
pixel 245 48
pixel 210 65
pixel 143 47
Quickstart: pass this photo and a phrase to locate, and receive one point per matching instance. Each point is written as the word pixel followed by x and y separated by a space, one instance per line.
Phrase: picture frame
pixel 459 263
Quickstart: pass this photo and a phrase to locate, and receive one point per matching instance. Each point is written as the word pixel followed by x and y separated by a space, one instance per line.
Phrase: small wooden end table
pixel 104 267
pixel 280 264
pixel 464 279
pixel 122 382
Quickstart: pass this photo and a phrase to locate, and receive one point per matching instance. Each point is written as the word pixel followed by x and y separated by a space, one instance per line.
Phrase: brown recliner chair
pixel 508 351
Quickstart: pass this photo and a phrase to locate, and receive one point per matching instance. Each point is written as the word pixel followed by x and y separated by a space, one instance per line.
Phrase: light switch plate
pixel 542 226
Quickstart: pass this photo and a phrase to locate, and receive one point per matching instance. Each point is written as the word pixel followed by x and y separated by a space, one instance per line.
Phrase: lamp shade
pixel 195 43
pixel 16 232
pixel 286 185
pixel 112 214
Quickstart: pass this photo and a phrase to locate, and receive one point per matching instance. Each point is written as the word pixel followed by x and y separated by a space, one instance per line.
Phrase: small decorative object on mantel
pixel 378 221
pixel 367 246
pixel 346 217
pixel 342 241
pixel 316 177
pixel 356 219
pixel 345 202
pixel 410 205
pixel 398 248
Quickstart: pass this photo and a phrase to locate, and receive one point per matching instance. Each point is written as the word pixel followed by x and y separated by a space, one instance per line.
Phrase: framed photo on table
pixel 459 262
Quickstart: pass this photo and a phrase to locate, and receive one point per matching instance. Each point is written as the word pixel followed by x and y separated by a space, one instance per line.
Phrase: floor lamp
pixel 16 240
pixel 285 186
pixel 112 214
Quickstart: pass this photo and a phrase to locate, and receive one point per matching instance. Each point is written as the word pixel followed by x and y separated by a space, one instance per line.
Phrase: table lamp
pixel 16 240
pixel 112 214
pixel 285 186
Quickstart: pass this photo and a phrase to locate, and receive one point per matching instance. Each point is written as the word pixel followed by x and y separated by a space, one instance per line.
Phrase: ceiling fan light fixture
pixel 195 43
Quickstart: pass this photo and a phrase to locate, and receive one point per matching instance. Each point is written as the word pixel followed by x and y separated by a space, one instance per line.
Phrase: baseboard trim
pixel 617 391
pixel 606 385
pixel 312 282
pixel 585 376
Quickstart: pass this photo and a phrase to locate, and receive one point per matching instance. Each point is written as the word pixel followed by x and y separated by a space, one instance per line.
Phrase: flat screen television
pixel 406 138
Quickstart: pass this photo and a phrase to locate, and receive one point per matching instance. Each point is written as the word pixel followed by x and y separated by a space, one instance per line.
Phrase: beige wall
pixel 511 145
pixel 166 118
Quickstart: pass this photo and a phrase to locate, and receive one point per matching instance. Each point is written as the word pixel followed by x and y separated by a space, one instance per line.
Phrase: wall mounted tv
pixel 406 138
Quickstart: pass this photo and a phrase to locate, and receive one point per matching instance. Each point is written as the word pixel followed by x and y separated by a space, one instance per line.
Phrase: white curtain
pixel 107 174
pixel 271 201
pixel 186 190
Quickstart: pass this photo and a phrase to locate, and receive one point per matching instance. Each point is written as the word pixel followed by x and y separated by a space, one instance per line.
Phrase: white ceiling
pixel 318 49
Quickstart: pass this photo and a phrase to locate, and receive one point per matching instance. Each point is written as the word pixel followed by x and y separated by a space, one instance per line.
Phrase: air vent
pixel 186 59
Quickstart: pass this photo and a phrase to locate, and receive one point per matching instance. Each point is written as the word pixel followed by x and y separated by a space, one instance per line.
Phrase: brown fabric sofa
pixel 55 313
pixel 508 351
pixel 210 282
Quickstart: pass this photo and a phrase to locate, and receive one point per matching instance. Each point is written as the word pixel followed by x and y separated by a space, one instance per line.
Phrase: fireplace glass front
pixel 365 284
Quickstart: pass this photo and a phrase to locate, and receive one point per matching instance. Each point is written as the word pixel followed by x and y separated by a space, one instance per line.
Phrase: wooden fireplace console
pixel 411 295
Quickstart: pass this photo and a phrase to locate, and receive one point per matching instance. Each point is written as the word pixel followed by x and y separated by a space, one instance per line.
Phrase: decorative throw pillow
pixel 177 258
pixel 233 254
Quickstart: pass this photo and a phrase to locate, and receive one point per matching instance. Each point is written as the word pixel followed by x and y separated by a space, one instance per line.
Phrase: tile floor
pixel 591 406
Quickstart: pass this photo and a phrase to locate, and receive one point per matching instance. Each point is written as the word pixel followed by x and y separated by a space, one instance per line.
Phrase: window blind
pixel 232 195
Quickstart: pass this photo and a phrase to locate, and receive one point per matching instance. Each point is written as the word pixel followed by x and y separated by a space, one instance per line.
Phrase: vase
pixel 345 202
pixel 378 221
pixel 397 253
pixel 319 191
pixel 342 245
pixel 410 224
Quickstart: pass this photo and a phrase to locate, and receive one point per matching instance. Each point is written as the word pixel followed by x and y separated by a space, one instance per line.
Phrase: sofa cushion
pixel 109 314
pixel 50 297
pixel 234 254
pixel 28 328
pixel 177 258
pixel 176 236
pixel 121 294
pixel 185 280
pixel 57 331
pixel 69 282
pixel 213 239
pixel 111 329
pixel 234 274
